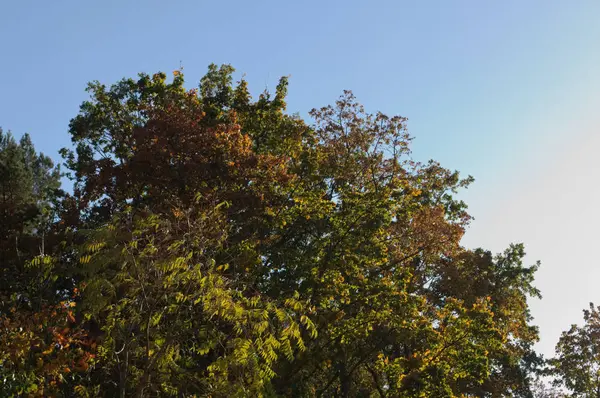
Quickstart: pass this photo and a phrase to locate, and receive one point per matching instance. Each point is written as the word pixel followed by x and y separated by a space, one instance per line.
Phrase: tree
pixel 219 246
pixel 28 188
pixel 38 342
pixel 166 222
pixel 542 389
pixel 29 191
pixel 29 204
pixel 508 284
pixel 577 362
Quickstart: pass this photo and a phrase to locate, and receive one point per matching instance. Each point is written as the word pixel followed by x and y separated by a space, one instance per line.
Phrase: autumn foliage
pixel 215 245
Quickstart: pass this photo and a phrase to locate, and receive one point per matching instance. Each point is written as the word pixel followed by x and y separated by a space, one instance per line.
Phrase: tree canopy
pixel 577 362
pixel 217 245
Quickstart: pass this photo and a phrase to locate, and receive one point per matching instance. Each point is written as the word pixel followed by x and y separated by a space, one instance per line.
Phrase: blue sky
pixel 505 91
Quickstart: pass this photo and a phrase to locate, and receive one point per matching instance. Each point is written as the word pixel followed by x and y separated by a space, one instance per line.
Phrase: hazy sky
pixel 506 91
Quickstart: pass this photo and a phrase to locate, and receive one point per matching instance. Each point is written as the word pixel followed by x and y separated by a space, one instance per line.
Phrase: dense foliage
pixel 215 245
pixel 577 362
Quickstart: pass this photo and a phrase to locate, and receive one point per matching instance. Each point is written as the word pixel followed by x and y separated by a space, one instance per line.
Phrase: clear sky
pixel 506 91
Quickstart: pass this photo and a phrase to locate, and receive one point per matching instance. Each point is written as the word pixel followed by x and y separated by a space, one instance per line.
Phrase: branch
pixel 376 381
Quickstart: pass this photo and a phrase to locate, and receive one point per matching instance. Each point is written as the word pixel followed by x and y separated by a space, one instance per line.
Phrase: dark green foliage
pixel 29 193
